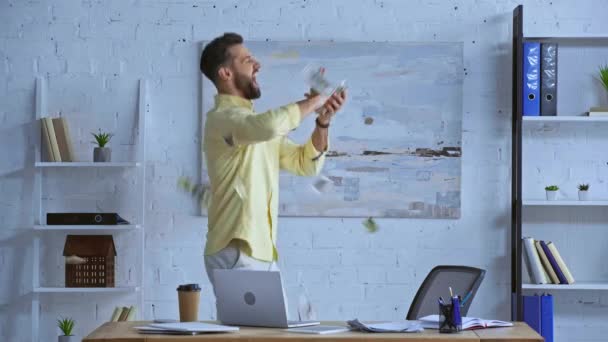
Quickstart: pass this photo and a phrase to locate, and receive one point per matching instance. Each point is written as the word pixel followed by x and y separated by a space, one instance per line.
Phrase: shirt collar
pixel 225 100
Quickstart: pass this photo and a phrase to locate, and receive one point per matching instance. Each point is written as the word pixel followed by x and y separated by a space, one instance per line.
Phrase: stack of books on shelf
pixel 544 263
pixel 124 313
pixel 598 111
pixel 56 141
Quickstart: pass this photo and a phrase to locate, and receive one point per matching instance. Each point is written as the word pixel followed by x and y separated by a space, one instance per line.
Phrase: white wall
pixel 93 52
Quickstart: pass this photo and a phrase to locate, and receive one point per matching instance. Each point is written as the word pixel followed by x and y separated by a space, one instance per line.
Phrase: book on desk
pixel 468 323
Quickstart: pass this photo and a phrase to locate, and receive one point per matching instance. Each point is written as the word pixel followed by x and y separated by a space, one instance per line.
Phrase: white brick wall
pixel 93 52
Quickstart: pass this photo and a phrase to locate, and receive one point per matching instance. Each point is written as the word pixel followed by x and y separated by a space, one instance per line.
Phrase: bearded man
pixel 244 152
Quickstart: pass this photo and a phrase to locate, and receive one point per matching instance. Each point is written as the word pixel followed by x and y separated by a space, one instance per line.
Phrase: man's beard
pixel 248 87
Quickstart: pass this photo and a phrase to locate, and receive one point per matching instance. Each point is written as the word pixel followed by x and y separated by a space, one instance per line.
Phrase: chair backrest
pixel 462 279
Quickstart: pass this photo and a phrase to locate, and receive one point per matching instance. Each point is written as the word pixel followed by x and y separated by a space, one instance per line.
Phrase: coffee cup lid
pixel 188 287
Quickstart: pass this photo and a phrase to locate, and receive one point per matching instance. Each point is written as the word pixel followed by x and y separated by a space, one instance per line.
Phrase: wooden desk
pixel 521 332
pixel 123 332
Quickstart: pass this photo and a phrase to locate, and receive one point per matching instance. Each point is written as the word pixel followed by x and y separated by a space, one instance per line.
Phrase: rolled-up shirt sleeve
pixel 302 160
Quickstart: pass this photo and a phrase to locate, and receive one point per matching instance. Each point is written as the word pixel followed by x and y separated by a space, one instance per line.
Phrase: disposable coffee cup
pixel 189 296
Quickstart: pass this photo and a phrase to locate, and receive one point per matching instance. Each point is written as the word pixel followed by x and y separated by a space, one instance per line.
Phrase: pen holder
pixel 450 320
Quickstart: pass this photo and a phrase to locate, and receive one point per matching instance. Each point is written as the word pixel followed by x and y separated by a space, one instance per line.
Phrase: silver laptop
pixel 252 298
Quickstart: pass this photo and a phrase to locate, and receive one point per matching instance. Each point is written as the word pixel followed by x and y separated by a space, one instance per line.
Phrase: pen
pixel 441 301
pixel 466 298
pixel 451 293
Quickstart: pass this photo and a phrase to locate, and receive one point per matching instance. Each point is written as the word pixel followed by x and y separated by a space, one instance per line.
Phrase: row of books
pixel 56 141
pixel 540 79
pixel 121 314
pixel 544 263
pixel 598 111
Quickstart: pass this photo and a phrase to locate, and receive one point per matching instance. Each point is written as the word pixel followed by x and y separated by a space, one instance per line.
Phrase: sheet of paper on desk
pixel 395 327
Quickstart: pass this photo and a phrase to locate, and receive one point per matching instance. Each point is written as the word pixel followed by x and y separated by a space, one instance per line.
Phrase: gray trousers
pixel 232 257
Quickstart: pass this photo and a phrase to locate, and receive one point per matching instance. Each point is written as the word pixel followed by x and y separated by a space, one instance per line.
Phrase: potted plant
pixel 583 192
pixel 551 191
pixel 603 77
pixel 66 325
pixel 101 153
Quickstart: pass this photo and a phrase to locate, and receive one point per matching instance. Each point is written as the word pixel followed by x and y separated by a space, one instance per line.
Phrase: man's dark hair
pixel 216 53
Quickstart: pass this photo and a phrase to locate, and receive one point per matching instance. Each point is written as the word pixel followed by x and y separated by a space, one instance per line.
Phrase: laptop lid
pixel 250 298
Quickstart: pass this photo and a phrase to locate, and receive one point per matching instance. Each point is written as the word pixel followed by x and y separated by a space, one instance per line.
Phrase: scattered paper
pixel 306 311
pixel 196 190
pixel 322 184
pixel 371 225
pixel 75 260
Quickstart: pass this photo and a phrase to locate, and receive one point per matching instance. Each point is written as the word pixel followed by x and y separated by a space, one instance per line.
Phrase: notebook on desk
pixel 152 330
pixel 184 328
pixel 468 323
pixel 318 329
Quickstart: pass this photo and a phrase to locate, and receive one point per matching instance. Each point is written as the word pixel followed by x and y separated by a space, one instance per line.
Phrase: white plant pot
pixel 583 195
pixel 64 338
pixel 551 195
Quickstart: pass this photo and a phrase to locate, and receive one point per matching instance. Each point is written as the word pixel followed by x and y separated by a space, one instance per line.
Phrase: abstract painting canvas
pixel 395 147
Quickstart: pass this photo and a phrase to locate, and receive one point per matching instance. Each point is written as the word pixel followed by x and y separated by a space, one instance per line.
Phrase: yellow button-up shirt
pixel 244 152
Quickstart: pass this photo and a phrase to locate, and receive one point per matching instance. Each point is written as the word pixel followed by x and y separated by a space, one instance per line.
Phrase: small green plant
pixel 102 139
pixel 66 325
pixel 552 188
pixel 604 76
pixel 583 187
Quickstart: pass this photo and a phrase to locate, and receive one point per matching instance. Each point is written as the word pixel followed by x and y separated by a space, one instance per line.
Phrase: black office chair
pixel 462 279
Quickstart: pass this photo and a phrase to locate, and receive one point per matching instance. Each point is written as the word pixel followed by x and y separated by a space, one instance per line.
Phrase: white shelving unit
pixel 576 286
pixel 566 118
pixel 532 203
pixel 85 229
pixel 41 230
pixel 559 203
pixel 86 289
pixel 87 164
